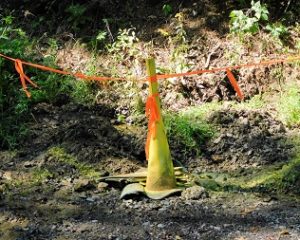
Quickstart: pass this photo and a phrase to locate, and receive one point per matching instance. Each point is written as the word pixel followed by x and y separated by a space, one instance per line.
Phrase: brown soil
pixel 55 208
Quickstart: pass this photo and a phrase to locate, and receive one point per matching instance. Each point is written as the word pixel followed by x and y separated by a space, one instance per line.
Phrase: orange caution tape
pixel 23 77
pixel 221 69
pixel 229 73
pixel 152 114
pixel 234 84
pixel 19 68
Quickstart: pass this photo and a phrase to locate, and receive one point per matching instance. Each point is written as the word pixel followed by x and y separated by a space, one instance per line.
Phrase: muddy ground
pixel 50 187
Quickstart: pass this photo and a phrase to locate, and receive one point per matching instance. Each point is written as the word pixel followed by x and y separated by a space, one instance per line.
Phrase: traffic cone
pixel 161 180
pixel 160 176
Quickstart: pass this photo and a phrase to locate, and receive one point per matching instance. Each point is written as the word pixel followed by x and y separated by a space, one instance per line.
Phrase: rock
pixel 7 175
pixel 194 193
pixel 161 225
pixel 10 164
pixel 217 157
pixel 102 186
pixel 83 185
pixel 146 224
pixel 28 164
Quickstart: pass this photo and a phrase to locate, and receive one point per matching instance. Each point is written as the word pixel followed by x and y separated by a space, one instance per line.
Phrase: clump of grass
pixel 256 102
pixel 62 156
pixel 188 131
pixel 289 106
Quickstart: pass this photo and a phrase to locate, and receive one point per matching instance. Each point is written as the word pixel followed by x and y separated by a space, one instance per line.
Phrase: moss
pixel 278 178
pixel 85 170
pixel 285 179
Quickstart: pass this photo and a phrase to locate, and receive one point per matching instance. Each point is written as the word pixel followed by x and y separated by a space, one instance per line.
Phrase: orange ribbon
pixel 234 84
pixel 19 68
pixel 152 114
pixel 23 77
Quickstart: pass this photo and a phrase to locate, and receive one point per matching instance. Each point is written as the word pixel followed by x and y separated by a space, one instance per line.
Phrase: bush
pixel 14 105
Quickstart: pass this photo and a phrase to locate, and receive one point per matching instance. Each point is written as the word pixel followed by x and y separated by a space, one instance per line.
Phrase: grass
pixel 289 106
pixel 188 129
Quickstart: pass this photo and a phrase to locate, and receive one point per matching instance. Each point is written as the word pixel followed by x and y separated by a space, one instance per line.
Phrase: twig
pixel 209 55
pixel 108 29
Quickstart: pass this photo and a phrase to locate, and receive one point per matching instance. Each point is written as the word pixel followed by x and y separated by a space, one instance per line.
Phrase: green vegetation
pixel 14 105
pixel 289 106
pixel 167 9
pixel 254 19
pixel 187 130
pixel 248 22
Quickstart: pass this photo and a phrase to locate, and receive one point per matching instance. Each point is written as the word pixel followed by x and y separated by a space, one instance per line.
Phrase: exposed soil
pixel 67 205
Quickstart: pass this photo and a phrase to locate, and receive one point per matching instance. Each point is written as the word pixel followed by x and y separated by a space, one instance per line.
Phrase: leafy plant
pixel 277 30
pixel 77 15
pixel 13 102
pixel 124 47
pixel 14 105
pixel 167 9
pixel 243 22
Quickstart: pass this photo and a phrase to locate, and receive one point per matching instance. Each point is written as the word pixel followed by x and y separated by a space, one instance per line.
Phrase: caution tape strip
pixel 25 79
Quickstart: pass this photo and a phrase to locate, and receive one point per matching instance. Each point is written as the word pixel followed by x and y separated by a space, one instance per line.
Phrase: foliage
pixel 124 43
pixel 76 15
pixel 277 30
pixel 167 9
pixel 189 132
pixel 249 21
pixel 14 105
pixel 180 45
pixel 289 106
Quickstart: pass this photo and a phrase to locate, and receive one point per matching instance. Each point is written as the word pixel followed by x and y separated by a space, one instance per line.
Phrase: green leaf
pixel 167 9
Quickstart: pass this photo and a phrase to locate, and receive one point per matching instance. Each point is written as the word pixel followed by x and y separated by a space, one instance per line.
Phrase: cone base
pixel 137 188
pixel 161 194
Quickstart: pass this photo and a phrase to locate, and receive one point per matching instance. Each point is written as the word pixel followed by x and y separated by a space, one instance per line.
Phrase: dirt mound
pixel 247 139
pixel 84 132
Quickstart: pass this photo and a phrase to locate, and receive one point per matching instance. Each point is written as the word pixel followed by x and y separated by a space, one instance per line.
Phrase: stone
pixel 161 225
pixel 83 185
pixel 194 193
pixel 102 186
pixel 28 164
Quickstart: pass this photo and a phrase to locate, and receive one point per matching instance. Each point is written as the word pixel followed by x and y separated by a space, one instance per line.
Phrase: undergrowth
pixel 187 131
pixel 289 106
pixel 14 105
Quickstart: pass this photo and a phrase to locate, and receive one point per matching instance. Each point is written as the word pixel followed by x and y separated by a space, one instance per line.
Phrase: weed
pixel 13 103
pixel 167 9
pixel 289 106
pixel 179 45
pixel 189 131
pixel 277 30
pixel 248 22
pixel 123 48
